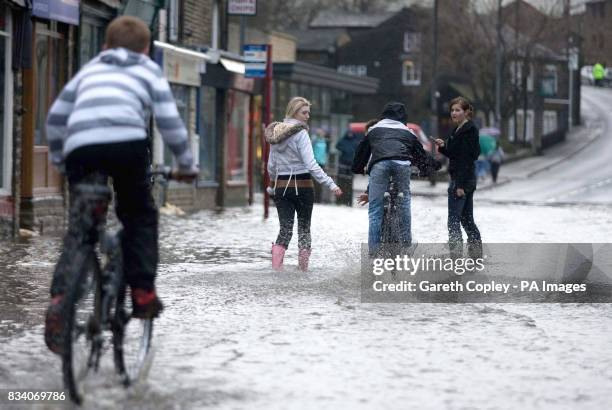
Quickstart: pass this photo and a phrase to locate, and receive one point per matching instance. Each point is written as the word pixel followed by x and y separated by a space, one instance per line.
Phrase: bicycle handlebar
pixel 168 174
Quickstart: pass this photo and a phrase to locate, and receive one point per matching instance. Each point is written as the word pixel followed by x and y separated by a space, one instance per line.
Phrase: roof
pixel 343 19
pixel 324 76
pixel 316 40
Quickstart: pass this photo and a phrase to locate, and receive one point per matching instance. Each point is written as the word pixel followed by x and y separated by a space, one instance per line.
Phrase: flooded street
pixel 235 334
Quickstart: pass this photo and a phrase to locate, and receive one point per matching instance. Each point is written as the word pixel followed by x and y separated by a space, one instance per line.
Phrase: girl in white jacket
pixel 290 165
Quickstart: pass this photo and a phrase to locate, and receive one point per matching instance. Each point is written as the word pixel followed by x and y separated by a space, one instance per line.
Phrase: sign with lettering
pixel 255 56
pixel 242 7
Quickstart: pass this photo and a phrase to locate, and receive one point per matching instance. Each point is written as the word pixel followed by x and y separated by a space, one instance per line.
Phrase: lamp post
pixel 434 74
pixel 498 67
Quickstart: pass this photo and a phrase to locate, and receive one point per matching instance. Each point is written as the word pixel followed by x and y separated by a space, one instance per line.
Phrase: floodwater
pixel 237 335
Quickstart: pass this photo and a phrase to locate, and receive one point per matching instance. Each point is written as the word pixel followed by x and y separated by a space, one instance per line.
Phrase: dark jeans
pixel 461 213
pixel 345 182
pixel 287 205
pixel 127 164
pixel 495 170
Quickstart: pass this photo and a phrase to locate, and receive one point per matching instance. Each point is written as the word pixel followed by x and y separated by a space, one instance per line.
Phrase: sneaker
pixel 145 304
pixel 54 325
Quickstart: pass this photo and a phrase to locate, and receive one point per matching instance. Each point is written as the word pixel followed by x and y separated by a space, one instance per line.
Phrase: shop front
pixel 330 93
pixel 95 16
pixel 184 68
pixel 54 22
pixel 229 138
pixel 6 119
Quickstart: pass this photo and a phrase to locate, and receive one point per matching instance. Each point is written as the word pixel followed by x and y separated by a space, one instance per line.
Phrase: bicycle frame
pixel 390 232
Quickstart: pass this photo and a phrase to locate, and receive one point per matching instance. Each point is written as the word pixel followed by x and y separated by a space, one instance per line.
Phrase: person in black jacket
pixel 462 149
pixel 391 149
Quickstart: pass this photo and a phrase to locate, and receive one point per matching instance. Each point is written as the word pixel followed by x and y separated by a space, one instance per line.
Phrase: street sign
pixel 573 59
pixel 255 60
pixel 242 7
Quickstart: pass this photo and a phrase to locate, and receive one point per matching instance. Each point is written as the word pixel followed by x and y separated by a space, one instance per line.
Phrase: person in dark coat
pixel 462 149
pixel 346 146
pixel 391 149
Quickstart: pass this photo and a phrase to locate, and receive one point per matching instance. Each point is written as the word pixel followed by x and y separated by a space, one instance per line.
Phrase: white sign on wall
pixel 182 69
pixel 242 7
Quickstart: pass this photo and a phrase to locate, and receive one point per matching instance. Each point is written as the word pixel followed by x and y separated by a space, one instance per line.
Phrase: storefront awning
pixel 184 51
pixel 181 65
pixel 111 3
pixel 66 11
pixel 18 2
pixel 234 66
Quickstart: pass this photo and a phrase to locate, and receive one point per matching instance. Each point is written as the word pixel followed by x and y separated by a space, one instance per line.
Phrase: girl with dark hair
pixel 462 149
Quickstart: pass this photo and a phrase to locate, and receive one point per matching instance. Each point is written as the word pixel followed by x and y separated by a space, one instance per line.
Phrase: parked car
pixel 586 75
pixel 607 81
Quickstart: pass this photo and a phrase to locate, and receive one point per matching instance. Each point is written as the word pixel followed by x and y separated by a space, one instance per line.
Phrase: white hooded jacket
pixel 291 152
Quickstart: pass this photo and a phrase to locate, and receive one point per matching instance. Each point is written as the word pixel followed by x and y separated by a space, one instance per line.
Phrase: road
pixel 585 178
pixel 236 335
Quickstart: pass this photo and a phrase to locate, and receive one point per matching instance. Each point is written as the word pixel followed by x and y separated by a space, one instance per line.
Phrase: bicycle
pixel 391 239
pixel 95 301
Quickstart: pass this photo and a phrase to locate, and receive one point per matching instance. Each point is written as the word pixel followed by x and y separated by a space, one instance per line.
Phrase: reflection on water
pixel 237 335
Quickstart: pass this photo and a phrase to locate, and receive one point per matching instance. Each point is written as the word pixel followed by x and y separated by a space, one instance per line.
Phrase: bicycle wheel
pixel 131 341
pixel 82 322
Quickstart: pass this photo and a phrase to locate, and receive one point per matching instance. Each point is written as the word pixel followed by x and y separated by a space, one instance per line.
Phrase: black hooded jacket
pixel 390 139
pixel 462 149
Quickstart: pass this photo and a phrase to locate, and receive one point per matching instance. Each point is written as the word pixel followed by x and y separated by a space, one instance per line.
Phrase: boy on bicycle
pixel 98 124
pixel 389 149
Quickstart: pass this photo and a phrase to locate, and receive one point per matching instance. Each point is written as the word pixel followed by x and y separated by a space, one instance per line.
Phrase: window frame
pixel 415 78
pixel 412 42
pixel 7 146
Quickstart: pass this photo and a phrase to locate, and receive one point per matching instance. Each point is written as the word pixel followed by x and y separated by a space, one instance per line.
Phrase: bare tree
pixel 468 46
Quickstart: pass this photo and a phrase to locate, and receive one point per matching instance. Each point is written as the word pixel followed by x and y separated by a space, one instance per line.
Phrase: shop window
pixel 50 54
pixel 91 39
pixel 325 100
pixel 5 107
pixel 182 98
pixel 237 135
pixel 207 132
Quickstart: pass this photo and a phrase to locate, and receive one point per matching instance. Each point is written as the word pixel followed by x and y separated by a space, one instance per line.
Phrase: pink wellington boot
pixel 303 256
pixel 278 253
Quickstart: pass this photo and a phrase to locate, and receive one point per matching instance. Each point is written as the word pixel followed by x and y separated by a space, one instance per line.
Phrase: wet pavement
pixel 236 335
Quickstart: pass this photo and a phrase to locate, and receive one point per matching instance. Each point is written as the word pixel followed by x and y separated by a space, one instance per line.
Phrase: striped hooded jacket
pixel 109 101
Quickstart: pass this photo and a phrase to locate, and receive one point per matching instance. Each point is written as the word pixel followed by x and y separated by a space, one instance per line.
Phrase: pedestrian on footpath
pixel 599 73
pixel 346 146
pixel 290 165
pixel 462 149
pixel 495 159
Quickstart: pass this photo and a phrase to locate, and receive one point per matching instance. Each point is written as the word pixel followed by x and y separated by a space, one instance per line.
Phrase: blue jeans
pixel 379 182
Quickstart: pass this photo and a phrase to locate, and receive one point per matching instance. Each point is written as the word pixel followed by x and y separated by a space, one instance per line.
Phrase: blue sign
pixel 255 58
pixel 66 11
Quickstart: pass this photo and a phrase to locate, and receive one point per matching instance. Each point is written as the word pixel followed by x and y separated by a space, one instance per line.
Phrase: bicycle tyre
pixel 131 353
pixel 84 271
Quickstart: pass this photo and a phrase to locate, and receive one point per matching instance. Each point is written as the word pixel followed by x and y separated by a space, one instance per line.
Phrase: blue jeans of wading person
pixel 461 213
pixel 379 182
